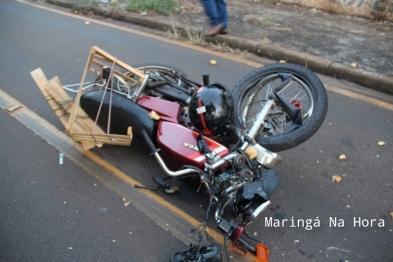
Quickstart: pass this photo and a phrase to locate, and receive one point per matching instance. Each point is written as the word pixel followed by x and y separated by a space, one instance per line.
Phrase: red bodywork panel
pixel 167 110
pixel 179 146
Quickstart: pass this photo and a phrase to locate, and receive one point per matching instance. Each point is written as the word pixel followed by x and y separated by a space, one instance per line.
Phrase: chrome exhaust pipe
pixel 154 150
pixel 170 172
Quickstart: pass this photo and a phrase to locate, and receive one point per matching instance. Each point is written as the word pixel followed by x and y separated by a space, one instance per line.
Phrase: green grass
pixel 265 22
pixel 161 6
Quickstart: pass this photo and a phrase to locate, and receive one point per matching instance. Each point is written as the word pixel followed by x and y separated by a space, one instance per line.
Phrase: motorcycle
pixel 229 140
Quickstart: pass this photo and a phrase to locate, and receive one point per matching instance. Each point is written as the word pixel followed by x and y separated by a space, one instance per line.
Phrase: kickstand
pixel 151 189
pixel 165 183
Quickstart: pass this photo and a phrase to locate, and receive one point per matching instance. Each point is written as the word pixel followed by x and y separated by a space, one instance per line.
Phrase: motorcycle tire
pixel 306 92
pixel 170 71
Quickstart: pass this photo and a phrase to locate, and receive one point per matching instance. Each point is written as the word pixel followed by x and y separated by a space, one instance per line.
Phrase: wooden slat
pixel 83 125
pixel 77 123
pixel 67 103
pixel 109 136
pixel 98 51
pixel 55 89
pixel 42 82
pixel 104 139
pixel 116 72
pixel 71 120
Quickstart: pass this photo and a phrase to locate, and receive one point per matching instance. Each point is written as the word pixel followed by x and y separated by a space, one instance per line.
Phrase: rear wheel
pixel 305 92
pixel 157 72
pixel 168 71
pixel 179 91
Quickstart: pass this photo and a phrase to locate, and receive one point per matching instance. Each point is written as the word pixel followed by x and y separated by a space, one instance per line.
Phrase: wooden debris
pixel 77 123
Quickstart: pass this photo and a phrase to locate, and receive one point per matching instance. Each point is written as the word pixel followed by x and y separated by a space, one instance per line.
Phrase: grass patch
pixel 161 6
pixel 195 37
pixel 265 22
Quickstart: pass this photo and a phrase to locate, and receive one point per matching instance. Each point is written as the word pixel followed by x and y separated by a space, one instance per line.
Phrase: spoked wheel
pixel 297 93
pixel 157 73
pixel 170 72
pixel 305 91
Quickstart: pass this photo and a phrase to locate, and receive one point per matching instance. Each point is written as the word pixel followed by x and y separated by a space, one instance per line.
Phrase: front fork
pixel 259 121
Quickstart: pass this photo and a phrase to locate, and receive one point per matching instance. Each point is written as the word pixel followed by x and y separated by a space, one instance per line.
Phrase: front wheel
pixel 305 92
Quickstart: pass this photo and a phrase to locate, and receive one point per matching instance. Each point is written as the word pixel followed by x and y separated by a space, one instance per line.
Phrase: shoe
pixel 214 30
pixel 223 32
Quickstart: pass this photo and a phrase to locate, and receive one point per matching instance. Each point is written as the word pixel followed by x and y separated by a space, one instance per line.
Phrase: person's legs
pixel 221 8
pixel 216 10
pixel 211 11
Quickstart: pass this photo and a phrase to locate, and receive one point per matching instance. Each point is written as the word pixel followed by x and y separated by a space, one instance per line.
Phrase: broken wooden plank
pixel 66 102
pixel 56 90
pixel 41 81
pixel 103 139
pixel 77 123
pixel 98 52
pixel 84 129
pixel 78 96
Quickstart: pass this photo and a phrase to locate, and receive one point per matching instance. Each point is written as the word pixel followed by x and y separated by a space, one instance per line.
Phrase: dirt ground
pixel 338 38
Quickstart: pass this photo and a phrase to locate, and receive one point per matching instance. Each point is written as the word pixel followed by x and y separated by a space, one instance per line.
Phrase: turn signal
pixel 262 253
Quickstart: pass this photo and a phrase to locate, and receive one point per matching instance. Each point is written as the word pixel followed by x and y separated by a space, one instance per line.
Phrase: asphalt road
pixel 55 212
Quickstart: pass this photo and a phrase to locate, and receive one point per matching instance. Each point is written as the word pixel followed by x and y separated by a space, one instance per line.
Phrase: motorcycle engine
pixel 250 189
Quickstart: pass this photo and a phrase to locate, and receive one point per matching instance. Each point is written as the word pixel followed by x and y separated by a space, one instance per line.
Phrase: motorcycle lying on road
pixel 229 140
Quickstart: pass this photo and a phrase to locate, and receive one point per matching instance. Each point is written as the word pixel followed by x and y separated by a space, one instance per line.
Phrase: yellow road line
pixel 357 96
pixel 155 207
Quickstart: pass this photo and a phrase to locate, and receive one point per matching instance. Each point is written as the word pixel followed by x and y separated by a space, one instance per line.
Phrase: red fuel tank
pixel 167 110
pixel 179 146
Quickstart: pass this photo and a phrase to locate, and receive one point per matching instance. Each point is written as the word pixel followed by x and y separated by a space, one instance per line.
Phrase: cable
pixel 225 243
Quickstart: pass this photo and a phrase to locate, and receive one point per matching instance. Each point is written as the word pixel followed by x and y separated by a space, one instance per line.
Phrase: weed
pixel 82 6
pixel 175 31
pixel 161 6
pixel 223 47
pixel 195 37
pixel 265 22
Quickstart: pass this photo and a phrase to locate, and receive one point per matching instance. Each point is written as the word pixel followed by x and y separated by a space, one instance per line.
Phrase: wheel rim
pixel 298 93
pixel 168 72
pixel 153 70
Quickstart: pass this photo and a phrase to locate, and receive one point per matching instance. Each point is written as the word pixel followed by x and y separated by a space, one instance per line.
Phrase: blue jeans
pixel 216 10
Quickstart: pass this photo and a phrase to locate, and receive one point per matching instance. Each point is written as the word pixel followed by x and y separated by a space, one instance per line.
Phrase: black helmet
pixel 211 109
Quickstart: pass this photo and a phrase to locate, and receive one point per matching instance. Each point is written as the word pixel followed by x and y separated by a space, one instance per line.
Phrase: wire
pixel 225 244
pixel 208 208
